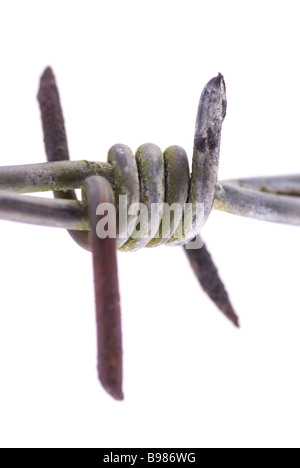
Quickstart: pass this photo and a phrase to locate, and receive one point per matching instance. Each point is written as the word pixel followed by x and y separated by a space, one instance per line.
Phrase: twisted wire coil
pixel 151 177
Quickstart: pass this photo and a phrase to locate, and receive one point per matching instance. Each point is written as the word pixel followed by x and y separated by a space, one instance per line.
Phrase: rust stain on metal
pixel 108 314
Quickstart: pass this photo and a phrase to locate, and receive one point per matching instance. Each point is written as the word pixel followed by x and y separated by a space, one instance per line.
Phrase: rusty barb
pixel 132 184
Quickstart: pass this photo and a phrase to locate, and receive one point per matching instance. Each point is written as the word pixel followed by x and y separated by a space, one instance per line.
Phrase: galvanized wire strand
pixel 274 198
pixel 51 176
pixel 67 214
pixel 148 177
pixel 151 178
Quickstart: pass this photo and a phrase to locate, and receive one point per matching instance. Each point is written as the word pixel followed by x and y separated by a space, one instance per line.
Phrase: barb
pixel 62 176
pixel 147 178
pixel 108 315
pixel 208 276
pixel 207 140
pixel 55 139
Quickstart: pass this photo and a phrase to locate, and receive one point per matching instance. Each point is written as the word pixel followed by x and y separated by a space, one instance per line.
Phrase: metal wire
pixel 274 198
pixel 149 177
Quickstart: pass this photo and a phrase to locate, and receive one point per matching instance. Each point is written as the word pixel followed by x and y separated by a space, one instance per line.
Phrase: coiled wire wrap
pixel 150 177
pixel 153 178
pixel 163 180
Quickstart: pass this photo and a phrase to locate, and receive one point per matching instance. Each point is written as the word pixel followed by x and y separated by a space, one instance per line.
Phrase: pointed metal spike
pixel 208 276
pixel 108 314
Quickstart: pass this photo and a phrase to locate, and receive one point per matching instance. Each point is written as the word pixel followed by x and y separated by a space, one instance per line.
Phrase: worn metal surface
pixel 280 185
pixel 207 139
pixel 274 198
pixel 108 315
pixel 56 176
pixel 127 190
pixel 68 214
pixel 208 276
pixel 148 177
pixel 55 139
pixel 276 207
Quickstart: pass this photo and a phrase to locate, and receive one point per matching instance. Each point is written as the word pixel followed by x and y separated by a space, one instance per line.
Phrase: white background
pixel 132 72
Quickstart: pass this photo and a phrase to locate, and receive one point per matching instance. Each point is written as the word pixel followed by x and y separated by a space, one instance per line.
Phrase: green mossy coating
pixel 126 183
pixel 53 176
pixel 150 165
pixel 219 201
pixel 177 180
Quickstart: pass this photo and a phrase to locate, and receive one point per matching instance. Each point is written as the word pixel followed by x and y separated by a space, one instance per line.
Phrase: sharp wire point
pixel 208 276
